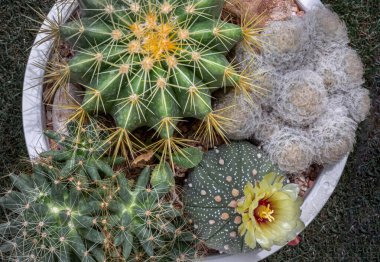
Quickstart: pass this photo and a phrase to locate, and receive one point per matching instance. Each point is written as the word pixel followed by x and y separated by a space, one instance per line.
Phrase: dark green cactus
pixel 214 188
pixel 83 152
pixel 153 63
pixel 146 224
pixel 58 218
pixel 50 219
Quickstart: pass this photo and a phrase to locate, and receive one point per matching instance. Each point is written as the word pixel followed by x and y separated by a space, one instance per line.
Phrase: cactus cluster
pixel 50 219
pixel 152 64
pixel 217 188
pixel 316 100
pixel 143 65
pixel 77 207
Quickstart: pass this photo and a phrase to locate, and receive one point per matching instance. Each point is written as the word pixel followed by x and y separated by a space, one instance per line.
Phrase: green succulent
pixel 153 63
pixel 213 190
pixel 71 218
pixel 148 225
pixel 49 219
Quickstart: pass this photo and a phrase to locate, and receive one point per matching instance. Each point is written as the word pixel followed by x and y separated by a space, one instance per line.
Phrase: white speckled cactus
pixel 213 189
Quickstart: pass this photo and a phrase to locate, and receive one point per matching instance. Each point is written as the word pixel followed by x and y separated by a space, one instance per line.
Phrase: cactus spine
pixel 153 63
pixel 55 217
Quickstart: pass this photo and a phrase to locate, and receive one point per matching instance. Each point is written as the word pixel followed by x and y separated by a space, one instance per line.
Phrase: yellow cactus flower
pixel 270 212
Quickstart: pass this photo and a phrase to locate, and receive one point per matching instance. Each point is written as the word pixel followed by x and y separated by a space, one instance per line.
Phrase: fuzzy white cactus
pixel 342 69
pixel 310 115
pixel 287 43
pixel 291 149
pixel 265 76
pixel 244 114
pixel 358 103
pixel 330 31
pixel 333 135
pixel 268 125
pixel 301 99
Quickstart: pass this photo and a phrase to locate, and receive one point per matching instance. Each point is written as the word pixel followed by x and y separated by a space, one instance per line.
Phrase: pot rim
pixel 33 115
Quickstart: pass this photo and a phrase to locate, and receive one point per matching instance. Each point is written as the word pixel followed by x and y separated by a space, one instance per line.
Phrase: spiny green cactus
pixel 84 151
pixel 153 63
pixel 214 188
pixel 58 218
pixel 50 220
pixel 147 225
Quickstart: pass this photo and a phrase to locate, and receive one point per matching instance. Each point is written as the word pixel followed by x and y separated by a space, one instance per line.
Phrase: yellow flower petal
pixel 270 212
pixel 250 239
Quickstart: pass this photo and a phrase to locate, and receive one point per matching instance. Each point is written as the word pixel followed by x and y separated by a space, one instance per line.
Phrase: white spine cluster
pixel 243 114
pixel 342 69
pixel 263 75
pixel 268 125
pixel 330 32
pixel 291 149
pixel 316 101
pixel 302 98
pixel 333 135
pixel 358 103
pixel 287 43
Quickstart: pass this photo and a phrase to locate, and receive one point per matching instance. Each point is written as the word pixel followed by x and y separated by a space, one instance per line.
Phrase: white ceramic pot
pixel 34 125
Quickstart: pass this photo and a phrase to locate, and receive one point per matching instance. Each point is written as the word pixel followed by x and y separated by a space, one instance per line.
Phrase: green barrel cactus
pixel 152 63
pixel 221 185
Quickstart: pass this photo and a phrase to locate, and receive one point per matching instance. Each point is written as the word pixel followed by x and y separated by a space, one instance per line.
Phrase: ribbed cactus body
pixel 55 218
pixel 83 152
pixel 213 189
pixel 151 63
pixel 50 219
pixel 144 217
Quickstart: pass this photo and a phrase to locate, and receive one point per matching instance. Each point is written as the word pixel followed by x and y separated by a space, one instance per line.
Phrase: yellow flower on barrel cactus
pixel 270 212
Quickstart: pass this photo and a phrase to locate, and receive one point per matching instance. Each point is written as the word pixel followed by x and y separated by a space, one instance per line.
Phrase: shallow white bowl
pixel 34 125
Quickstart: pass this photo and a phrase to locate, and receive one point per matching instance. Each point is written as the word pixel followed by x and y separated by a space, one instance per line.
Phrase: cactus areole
pixel 215 187
pixel 152 63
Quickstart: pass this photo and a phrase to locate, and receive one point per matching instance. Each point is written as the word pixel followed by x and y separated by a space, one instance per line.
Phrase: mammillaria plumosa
pixel 317 95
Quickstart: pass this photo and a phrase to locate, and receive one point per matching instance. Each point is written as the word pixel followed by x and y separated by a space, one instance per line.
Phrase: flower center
pixel 263 213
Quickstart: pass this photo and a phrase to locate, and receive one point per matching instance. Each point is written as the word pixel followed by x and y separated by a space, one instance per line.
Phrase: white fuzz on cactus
pixel 291 149
pixel 330 31
pixel 341 70
pixel 301 99
pixel 336 104
pixel 287 43
pixel 358 103
pixel 312 70
pixel 334 136
pixel 244 113
pixel 265 78
pixel 269 124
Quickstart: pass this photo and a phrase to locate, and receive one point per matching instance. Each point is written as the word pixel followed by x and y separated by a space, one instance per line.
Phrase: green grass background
pixel 348 227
